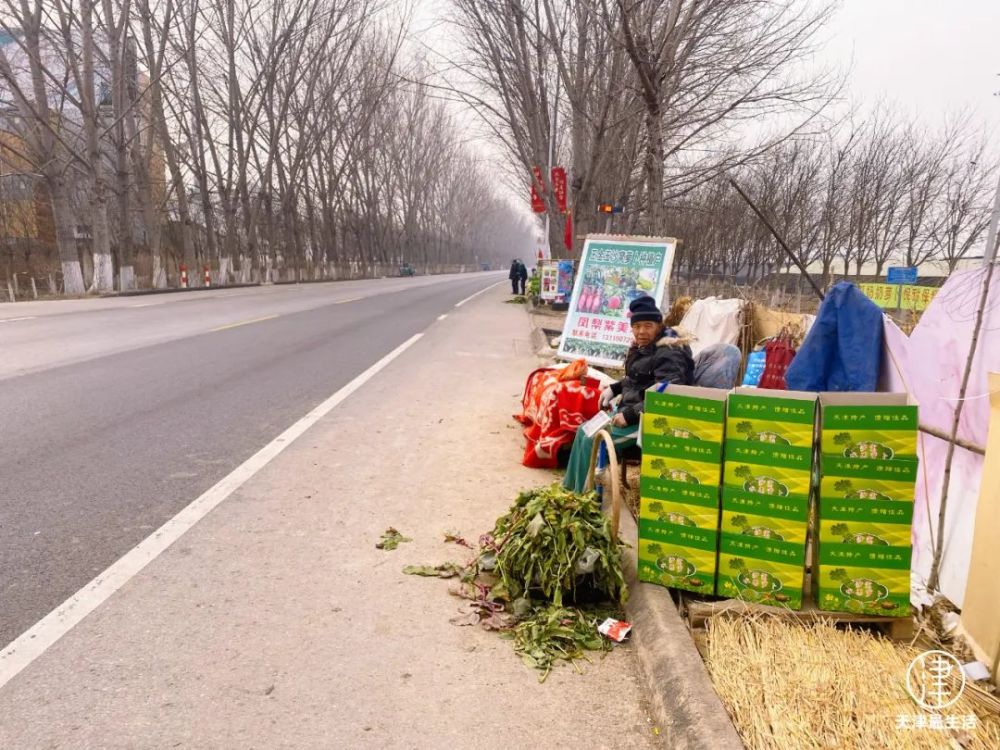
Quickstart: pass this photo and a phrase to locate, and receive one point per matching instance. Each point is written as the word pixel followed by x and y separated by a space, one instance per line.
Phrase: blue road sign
pixel 901 275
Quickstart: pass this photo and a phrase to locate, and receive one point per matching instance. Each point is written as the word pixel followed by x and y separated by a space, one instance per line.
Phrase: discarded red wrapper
pixel 616 630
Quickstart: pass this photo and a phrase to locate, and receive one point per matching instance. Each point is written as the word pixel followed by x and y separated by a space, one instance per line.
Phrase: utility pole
pixel 553 122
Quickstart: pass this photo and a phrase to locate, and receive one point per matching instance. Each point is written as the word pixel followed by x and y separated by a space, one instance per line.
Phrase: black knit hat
pixel 644 308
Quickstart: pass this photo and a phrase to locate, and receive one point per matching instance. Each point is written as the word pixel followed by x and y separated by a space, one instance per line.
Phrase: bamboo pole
pixel 960 442
pixel 794 258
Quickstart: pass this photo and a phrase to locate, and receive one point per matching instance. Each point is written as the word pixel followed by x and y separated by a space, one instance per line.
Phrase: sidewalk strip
pixel 35 641
pixel 481 291
pixel 243 323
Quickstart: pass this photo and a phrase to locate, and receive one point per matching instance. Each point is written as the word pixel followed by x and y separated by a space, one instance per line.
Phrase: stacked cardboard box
pixel 682 435
pixel 768 478
pixel 868 473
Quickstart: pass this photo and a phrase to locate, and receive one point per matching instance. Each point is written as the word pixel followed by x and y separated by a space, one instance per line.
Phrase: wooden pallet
pixel 698 611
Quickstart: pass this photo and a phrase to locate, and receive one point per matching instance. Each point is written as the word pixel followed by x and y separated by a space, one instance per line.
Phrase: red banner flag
pixel 559 188
pixel 537 188
pixel 568 237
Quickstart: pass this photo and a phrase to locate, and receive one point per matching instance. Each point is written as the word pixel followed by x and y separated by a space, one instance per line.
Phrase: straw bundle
pixel 789 685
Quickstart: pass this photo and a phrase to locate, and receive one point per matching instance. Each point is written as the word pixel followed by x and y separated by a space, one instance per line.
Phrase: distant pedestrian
pixel 522 275
pixel 514 275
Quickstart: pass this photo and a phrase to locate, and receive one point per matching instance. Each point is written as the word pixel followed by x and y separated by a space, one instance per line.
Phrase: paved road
pixel 117 413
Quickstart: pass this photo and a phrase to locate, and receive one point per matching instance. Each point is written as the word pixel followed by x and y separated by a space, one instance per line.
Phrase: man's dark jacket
pixel 667 360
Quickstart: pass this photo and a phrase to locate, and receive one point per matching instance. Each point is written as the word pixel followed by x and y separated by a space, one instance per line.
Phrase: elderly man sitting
pixel 657 355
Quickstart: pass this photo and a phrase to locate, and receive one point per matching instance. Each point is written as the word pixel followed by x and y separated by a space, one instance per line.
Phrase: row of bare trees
pixel 645 100
pixel 655 104
pixel 873 191
pixel 265 138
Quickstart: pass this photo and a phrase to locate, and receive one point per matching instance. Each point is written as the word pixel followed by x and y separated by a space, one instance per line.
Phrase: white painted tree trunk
pixel 126 278
pixel 73 278
pixel 159 272
pixel 225 269
pixel 104 276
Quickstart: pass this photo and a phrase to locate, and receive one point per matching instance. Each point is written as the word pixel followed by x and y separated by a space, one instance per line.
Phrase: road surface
pixel 261 615
pixel 116 413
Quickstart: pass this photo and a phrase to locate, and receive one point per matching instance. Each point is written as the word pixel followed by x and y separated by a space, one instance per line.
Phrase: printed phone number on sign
pixel 576 333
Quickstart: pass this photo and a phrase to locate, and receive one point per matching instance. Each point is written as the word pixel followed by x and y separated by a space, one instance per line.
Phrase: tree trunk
pixel 104 279
pixel 64 220
pixel 653 169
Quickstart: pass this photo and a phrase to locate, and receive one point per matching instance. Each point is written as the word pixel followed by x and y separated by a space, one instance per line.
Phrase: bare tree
pixel 964 210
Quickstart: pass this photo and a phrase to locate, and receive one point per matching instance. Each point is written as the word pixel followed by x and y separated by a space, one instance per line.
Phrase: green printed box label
pixel 774 421
pixel 864 556
pixel 687 407
pixel 679 514
pixel 682 428
pixel 761 570
pixel 896 470
pixel 863 590
pixel 652 488
pixel 768 409
pixel 863 489
pixel 788 507
pixel 678 536
pixel 869 432
pixel 771 433
pixel 763 527
pixel 664 560
pixel 680 568
pixel 680 470
pixel 694 450
pixel 785 456
pixel 857 532
pixel 866 511
pixel 767 480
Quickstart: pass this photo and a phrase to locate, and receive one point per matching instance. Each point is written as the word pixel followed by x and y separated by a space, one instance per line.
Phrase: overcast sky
pixel 933 57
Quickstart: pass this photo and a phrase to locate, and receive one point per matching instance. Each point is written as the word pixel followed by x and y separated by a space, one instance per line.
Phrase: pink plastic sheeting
pixel 930 364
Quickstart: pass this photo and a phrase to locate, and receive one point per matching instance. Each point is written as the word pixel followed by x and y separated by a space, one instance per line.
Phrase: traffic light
pixel 605 208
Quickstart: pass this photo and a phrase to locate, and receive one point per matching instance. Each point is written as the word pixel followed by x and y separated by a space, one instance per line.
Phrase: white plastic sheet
pixel 712 321
pixel 930 364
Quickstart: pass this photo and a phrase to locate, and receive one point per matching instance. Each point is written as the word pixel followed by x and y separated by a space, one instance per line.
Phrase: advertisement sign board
pixel 613 271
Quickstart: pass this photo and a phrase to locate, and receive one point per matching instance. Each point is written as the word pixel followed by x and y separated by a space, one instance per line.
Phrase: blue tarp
pixel 843 350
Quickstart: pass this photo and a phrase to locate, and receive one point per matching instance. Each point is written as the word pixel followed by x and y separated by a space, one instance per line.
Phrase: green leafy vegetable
pixel 550 634
pixel 444 570
pixel 391 539
pixel 539 542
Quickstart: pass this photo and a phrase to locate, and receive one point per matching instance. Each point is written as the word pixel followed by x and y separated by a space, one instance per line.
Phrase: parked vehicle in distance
pixel 405 269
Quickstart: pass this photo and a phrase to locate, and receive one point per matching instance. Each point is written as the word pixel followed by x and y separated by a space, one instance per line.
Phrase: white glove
pixel 607 396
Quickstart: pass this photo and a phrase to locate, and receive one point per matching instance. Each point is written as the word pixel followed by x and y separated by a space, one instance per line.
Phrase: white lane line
pixel 442 317
pixel 147 304
pixel 481 291
pixel 14 320
pixel 36 640
pixel 243 323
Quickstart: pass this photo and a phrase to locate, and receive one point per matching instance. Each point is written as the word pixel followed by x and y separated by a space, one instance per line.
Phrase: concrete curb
pixel 144 292
pixel 684 705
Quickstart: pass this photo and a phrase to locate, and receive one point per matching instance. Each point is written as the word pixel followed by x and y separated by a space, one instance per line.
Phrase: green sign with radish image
pixel 613 272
